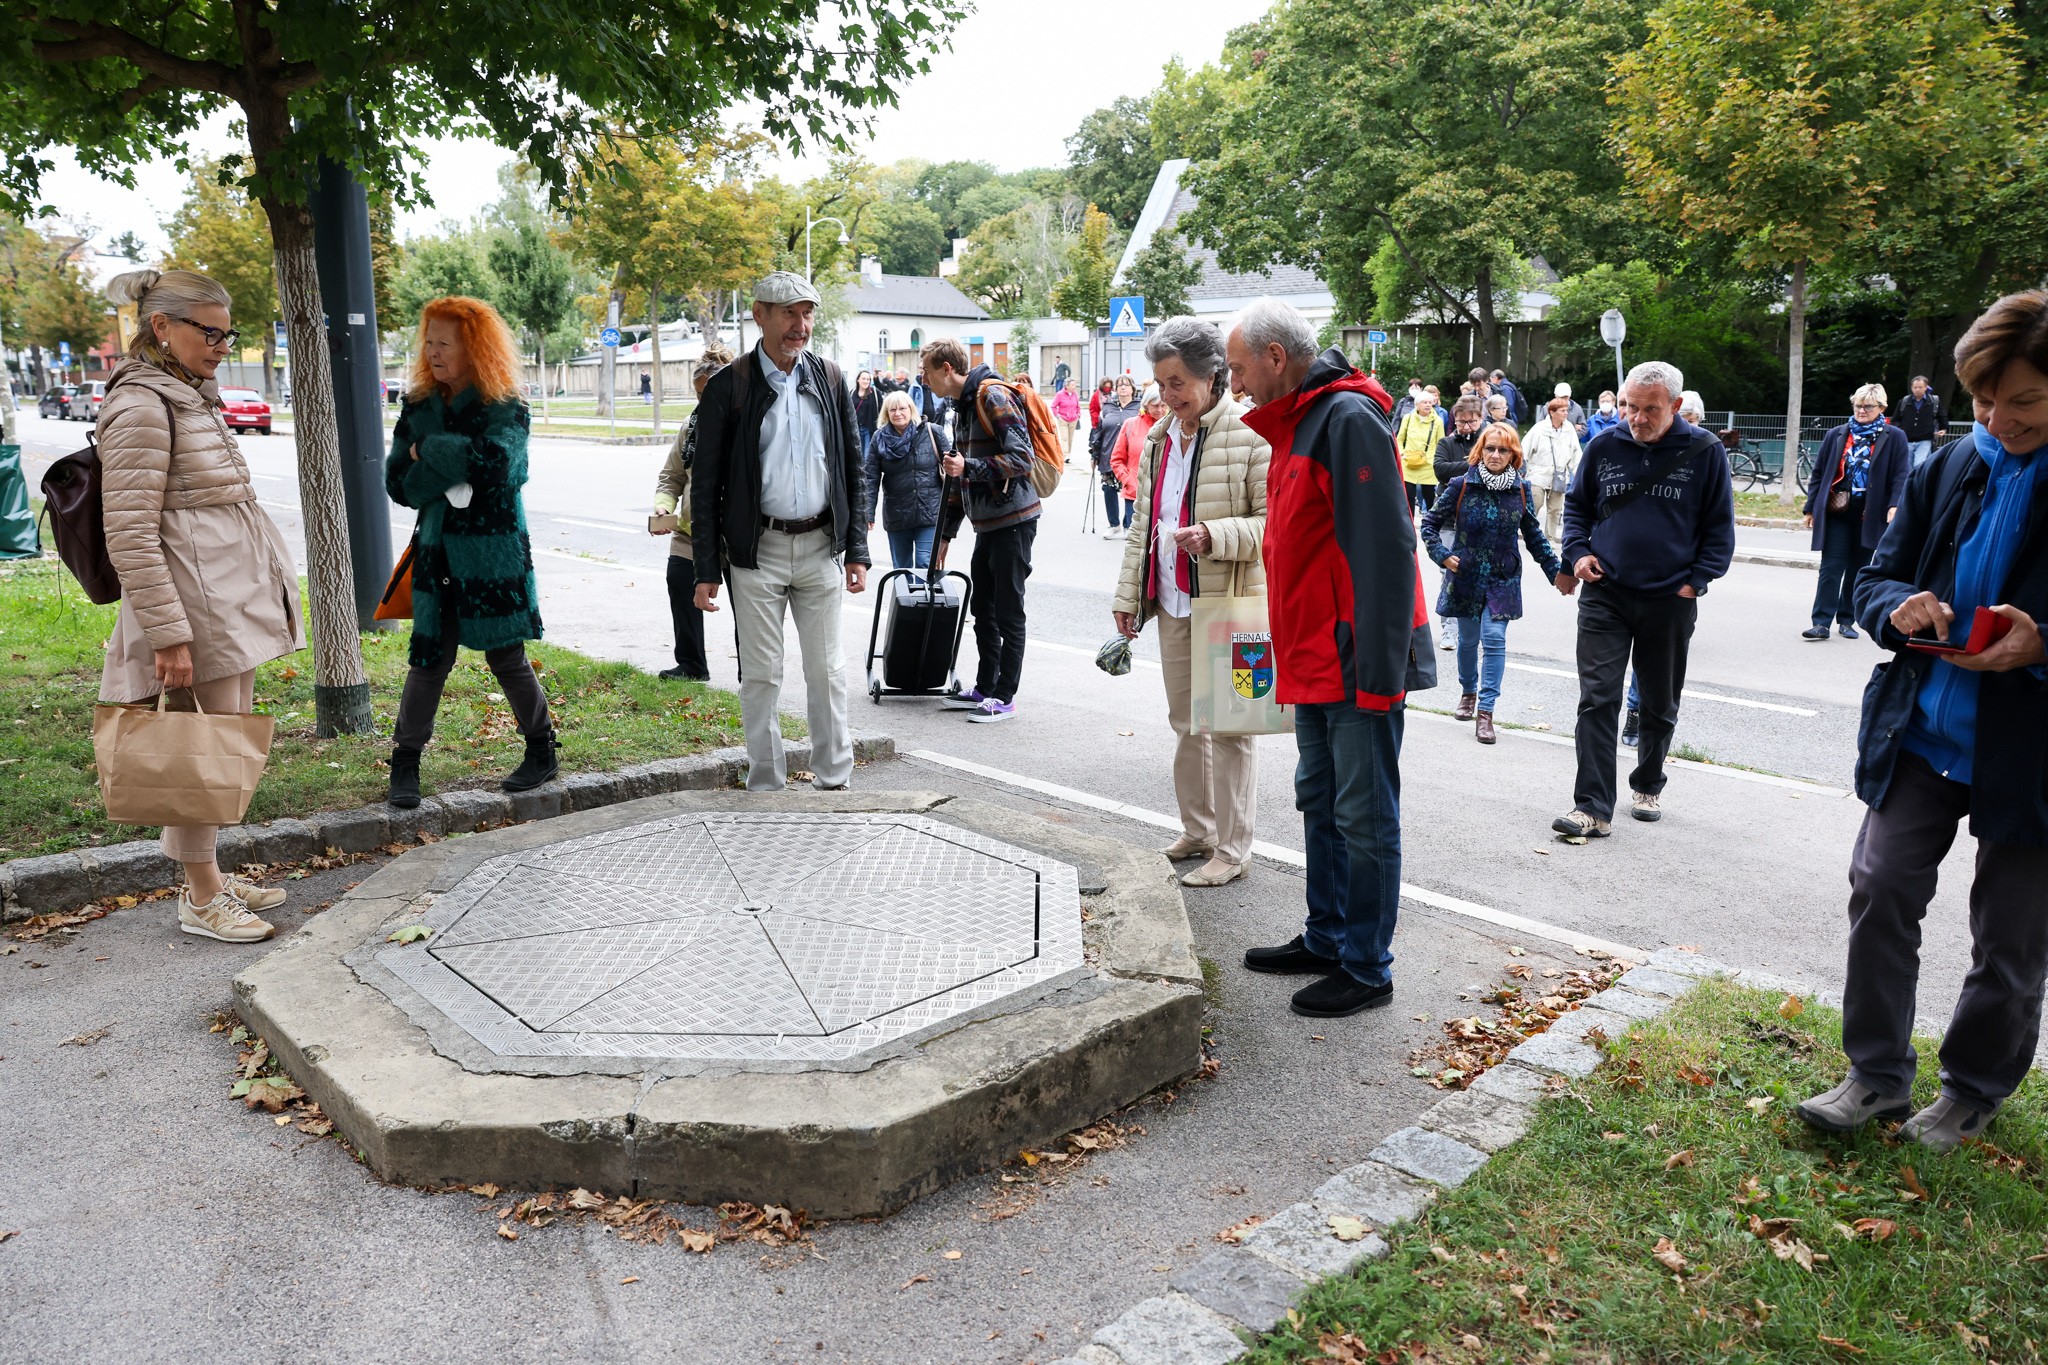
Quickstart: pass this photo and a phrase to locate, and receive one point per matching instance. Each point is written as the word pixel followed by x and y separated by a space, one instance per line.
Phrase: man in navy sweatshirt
pixel 1649 522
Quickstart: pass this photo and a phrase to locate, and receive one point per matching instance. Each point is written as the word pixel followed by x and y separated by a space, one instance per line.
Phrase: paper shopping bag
pixel 1233 678
pixel 161 767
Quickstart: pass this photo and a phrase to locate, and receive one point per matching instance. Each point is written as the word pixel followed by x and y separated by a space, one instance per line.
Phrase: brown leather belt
pixel 797 528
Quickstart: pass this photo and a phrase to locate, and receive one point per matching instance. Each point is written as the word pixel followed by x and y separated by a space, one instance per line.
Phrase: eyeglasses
pixel 214 335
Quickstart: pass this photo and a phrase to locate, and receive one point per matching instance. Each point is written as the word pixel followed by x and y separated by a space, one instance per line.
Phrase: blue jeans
pixel 912 549
pixel 1919 450
pixel 1347 787
pixel 1492 633
pixel 1635 694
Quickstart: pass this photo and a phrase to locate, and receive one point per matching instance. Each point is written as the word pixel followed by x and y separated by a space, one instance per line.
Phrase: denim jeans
pixel 1842 557
pixel 1919 450
pixel 1347 787
pixel 1491 634
pixel 911 549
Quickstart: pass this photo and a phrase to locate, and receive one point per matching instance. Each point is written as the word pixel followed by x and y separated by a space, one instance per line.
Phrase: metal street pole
pixel 1614 331
pixel 809 223
pixel 341 252
pixel 611 356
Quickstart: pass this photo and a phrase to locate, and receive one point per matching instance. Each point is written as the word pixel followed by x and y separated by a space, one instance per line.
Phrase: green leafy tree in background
pixel 1113 161
pixel 129 247
pixel 125 81
pixel 1013 263
pixel 1784 126
pixel 1717 330
pixel 1163 272
pixel 456 262
pixel 1083 295
pixel 906 237
pixel 536 288
pixel 1452 138
pixel 220 230
pixel 62 307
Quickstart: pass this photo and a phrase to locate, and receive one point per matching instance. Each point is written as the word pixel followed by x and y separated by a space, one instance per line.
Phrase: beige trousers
pixel 800 577
pixel 1550 507
pixel 234 695
pixel 1215 777
pixel 1067 430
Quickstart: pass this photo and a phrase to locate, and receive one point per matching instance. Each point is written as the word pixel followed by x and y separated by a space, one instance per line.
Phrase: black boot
pixel 538 766
pixel 405 778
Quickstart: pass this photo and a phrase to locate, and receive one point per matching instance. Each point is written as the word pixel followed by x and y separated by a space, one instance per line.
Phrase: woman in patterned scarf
pixel 1857 483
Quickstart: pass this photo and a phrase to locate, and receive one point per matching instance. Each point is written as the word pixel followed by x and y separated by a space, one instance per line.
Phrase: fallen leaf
pixel 487 1191
pixel 914 1279
pixel 6 1233
pixel 1546 853
pixel 1521 971
pixel 954 1255
pixel 1791 1007
pixel 1668 1256
pixel 1677 1159
pixel 1694 1075
pixel 1236 1232
pixel 1442 1254
pixel 1611 1136
pixel 411 933
pixel 1911 1181
pixel 505 1230
pixel 1347 1228
pixel 1517 951
pixel 1127 733
pixel 87 1039
pixel 696 1240
pixel 630 1279
pixel 584 1199
pixel 1840 1344
pixel 271 1093
pixel 1756 1104
pixel 1876 1229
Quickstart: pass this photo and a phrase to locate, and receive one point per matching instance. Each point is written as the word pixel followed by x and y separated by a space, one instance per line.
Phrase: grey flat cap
pixel 785 286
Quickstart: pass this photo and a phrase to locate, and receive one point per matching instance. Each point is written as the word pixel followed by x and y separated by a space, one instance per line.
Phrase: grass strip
pixel 52 643
pixel 1673 1208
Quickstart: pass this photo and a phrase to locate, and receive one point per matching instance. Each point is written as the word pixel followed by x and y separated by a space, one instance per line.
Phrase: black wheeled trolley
pixel 927 621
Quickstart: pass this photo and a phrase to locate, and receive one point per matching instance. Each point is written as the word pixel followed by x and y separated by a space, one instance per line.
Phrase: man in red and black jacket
pixel 1350 641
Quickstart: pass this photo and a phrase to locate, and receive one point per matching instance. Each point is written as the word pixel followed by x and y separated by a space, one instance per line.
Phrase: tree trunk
pixel 654 344
pixel 1489 322
pixel 1795 382
pixel 541 353
pixel 341 688
pixel 270 363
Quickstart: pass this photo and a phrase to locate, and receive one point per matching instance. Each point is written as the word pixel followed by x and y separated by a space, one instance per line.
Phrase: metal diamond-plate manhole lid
pixel 743 938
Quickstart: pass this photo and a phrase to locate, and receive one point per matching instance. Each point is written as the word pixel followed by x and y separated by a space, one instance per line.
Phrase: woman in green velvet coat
pixel 459 456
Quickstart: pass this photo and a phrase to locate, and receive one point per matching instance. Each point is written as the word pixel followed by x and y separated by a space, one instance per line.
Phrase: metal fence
pixel 1756 451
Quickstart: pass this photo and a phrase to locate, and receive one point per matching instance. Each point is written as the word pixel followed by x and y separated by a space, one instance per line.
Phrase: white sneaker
pixel 1116 534
pixel 223 918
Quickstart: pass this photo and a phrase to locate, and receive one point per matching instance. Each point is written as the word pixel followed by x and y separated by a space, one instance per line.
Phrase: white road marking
pixel 591 563
pixel 1688 692
pixel 277 506
pixel 274 478
pixel 1503 919
pixel 614 526
pixel 1716 769
pixel 1037 643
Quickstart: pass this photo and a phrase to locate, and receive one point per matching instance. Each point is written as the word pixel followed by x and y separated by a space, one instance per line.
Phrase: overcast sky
pixel 1012 88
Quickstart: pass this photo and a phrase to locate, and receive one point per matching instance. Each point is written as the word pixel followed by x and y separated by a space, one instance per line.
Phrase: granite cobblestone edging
pixel 1215 1309
pixel 65 881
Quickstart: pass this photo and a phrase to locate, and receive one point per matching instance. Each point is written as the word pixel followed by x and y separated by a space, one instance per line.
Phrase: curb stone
pixel 64 881
pixel 1236 1294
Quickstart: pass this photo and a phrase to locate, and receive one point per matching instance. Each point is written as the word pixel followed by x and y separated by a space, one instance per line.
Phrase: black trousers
pixel 421 700
pixel 1842 557
pixel 1001 563
pixel 687 620
pixel 1615 624
pixel 1990 1040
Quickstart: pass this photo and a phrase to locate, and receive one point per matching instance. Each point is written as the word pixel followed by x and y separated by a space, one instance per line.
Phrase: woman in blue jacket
pixel 1858 480
pixel 1950 737
pixel 1470 531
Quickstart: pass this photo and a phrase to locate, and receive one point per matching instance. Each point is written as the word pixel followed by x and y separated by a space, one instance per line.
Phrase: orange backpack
pixel 1048 461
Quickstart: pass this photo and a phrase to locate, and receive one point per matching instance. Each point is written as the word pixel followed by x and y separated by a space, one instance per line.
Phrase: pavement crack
pixel 648 1080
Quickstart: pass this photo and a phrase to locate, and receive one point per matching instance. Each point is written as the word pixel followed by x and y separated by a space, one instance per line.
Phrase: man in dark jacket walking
pixel 777 490
pixel 1350 640
pixel 988 476
pixel 1649 522
pixel 1921 421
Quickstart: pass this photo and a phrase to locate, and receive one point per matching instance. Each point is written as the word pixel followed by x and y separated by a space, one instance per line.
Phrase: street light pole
pixel 809 223
pixel 1613 331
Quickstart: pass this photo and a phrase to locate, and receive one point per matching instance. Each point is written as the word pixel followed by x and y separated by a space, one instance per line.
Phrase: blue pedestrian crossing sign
pixel 608 337
pixel 1127 316
pixel 1376 338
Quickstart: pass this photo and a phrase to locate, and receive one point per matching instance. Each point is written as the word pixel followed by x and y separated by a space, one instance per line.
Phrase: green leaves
pixel 411 933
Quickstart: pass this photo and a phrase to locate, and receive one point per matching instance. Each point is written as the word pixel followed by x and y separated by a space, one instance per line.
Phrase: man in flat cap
pixel 776 487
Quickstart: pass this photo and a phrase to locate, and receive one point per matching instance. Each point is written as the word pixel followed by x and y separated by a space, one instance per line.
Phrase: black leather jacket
pixel 725 493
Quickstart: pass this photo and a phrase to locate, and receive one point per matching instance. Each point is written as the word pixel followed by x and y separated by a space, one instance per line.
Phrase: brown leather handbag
pixel 396 603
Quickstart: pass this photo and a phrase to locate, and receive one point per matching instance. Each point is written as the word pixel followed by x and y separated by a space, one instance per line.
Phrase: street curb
pixel 1773 523
pixel 65 881
pixel 1216 1310
pixel 1777 559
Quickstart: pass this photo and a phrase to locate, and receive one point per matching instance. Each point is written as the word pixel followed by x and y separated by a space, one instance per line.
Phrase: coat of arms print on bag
pixel 1251 664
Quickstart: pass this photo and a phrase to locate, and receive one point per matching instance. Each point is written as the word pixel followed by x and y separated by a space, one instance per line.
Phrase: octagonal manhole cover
pixel 777 939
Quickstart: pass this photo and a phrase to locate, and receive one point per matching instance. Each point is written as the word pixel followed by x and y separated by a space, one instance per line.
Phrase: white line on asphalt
pixel 1288 857
pixel 1715 769
pixel 1688 692
pixel 278 506
pixel 591 563
pixel 1037 643
pixel 618 527
pixel 274 478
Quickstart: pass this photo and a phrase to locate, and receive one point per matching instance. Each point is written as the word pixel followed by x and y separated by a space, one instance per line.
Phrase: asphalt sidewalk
pixel 160 1220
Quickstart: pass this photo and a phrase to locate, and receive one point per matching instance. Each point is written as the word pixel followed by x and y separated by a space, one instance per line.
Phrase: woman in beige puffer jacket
pixel 208 589
pixel 1199 527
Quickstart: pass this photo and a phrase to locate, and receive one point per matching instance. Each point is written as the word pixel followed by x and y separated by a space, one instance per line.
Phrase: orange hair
pixel 493 355
pixel 1511 440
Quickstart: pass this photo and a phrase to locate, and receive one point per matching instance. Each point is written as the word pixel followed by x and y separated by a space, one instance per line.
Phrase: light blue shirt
pixel 794 482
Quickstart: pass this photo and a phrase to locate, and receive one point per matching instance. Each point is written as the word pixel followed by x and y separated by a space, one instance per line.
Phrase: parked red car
pixel 246 410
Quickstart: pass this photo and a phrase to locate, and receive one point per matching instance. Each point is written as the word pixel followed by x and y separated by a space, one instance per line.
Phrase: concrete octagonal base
pixel 503 1049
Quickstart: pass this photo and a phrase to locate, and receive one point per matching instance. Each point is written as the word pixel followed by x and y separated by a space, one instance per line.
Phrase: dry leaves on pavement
pixel 1027 1176
pixel 648 1221
pixel 1475 1043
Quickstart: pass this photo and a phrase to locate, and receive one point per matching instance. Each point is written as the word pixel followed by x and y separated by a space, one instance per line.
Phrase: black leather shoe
pixel 1849 631
pixel 1340 994
pixel 540 764
pixel 1291 958
pixel 1814 633
pixel 681 674
pixel 405 779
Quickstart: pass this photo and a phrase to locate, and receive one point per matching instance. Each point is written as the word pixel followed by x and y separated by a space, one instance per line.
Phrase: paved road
pixel 269 1247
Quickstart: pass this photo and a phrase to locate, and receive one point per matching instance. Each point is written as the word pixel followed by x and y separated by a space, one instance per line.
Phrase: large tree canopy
pixel 364 82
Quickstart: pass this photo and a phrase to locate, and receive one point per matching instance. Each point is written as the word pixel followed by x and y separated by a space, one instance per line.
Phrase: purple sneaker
pixel 992 711
pixel 970 700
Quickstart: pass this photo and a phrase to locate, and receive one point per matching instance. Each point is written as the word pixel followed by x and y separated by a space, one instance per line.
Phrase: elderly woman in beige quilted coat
pixel 208 589
pixel 1199 527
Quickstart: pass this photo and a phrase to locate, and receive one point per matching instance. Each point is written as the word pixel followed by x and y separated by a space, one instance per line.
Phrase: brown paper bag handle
pixel 165 694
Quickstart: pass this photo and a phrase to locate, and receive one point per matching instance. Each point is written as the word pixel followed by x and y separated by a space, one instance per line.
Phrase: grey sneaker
pixel 1581 825
pixel 1852 1104
pixel 1945 1124
pixel 1643 806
